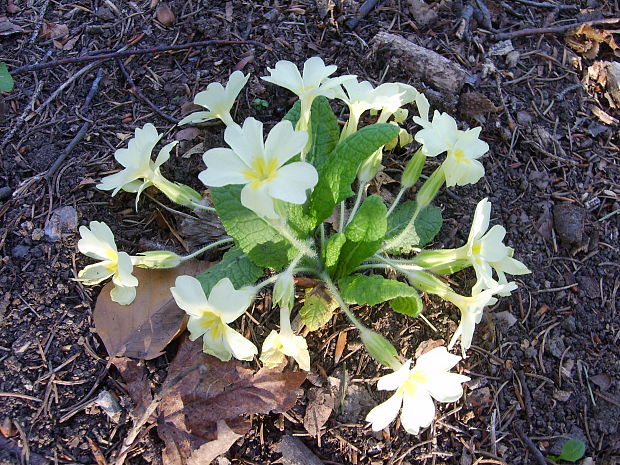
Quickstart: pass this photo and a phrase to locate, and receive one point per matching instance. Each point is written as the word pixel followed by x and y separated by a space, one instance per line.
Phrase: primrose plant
pixel 285 197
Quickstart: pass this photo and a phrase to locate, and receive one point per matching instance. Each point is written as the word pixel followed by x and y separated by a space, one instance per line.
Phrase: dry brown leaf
pixel 54 31
pixel 321 403
pixel 7 27
pixel 341 343
pixel 587 40
pixel 208 452
pixel 187 134
pixel 136 383
pixel 144 328
pixel 224 391
pixel 164 14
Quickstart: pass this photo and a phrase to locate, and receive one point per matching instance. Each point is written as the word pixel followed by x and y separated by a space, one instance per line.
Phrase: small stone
pixel 20 251
pixel 568 220
pixel 504 320
pixel 63 221
pixel 524 118
pixel 556 346
pixel 37 234
pixel 108 403
pixel 295 452
pixel 561 396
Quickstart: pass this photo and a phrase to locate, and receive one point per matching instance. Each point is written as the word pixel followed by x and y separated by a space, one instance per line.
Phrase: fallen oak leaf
pixel 54 31
pixel 145 327
pixel 223 391
pixel 7 27
pixel 137 384
pixel 206 453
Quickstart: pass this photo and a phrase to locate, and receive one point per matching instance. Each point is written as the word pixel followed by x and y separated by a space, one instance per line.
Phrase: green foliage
pixel 411 305
pixel 425 228
pixel 293 114
pixel 572 450
pixel 372 290
pixel 318 308
pixel 324 133
pixel 331 251
pixel 6 80
pixel 234 265
pixel 340 170
pixel 263 244
pixel 364 235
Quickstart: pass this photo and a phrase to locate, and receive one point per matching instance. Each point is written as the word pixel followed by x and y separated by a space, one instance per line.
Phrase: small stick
pixel 125 53
pixel 37 28
pixel 22 117
pixel 81 133
pixel 551 30
pixel 134 90
pixel 530 445
pixel 548 5
pixel 366 8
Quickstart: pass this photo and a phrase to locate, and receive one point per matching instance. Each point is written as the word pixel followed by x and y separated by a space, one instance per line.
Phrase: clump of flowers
pixel 276 193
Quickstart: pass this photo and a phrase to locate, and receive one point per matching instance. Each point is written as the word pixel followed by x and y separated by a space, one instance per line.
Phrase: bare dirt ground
pixel 545 364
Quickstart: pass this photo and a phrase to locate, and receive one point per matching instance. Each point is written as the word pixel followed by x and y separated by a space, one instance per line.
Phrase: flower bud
pixel 428 283
pixel 380 348
pixel 177 192
pixel 157 259
pixel 284 290
pixel 412 171
pixel 429 189
pixel 370 167
pixel 400 115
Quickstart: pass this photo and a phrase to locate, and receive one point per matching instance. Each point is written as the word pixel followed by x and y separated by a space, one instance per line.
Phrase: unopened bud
pixel 157 259
pixel 177 192
pixel 380 348
pixel 428 283
pixel 370 167
pixel 412 171
pixel 429 189
pixel 284 290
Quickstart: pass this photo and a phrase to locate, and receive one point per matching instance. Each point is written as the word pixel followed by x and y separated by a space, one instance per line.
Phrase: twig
pixel 22 117
pixel 548 5
pixel 366 8
pixel 83 130
pixel 135 91
pixel 530 445
pixel 37 28
pixel 125 53
pixel 551 30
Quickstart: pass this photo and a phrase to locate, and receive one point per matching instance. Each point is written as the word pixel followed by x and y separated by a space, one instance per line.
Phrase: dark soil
pixel 545 362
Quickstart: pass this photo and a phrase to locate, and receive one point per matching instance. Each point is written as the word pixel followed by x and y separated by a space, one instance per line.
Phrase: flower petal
pixel 258 200
pixel 384 414
pixel 217 346
pixel 189 296
pixel 229 302
pixel 271 353
pixel 437 359
pixel 97 242
pixel 246 141
pixel 240 347
pixel 223 167
pixel 283 142
pixel 123 295
pixel 293 181
pixel 315 71
pixel 418 411
pixel 446 387
pixel 296 346
pixel 97 272
pixel 482 218
pixel 197 117
pixel 236 82
pixel 164 154
pixel 211 97
pixel 123 276
pixel 286 74
pixel 493 249
pixel 392 381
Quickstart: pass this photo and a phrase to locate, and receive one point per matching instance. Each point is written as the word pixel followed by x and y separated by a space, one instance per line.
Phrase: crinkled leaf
pixel 236 266
pixel 340 170
pixel 202 409
pixel 6 80
pixel 331 250
pixel 324 132
pixel 263 245
pixel 372 290
pixel 318 308
pixel 411 305
pixel 426 226
pixel 144 328
pixel 300 220
pixel 293 114
pixel 364 235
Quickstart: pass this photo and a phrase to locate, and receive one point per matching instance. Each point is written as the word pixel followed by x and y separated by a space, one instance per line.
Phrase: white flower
pixel 391 96
pixel 218 100
pixel 98 242
pixel 486 251
pixel 261 165
pixel 210 317
pixel 285 343
pixel 141 172
pixel 359 97
pixel 463 148
pixel 415 390
pixel 313 82
pixel 472 309
pixel 423 109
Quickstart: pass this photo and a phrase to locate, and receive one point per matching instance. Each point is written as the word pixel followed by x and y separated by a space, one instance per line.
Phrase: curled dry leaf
pixel 321 403
pixel 136 383
pixel 164 14
pixel 587 40
pixel 54 31
pixel 192 411
pixel 7 27
pixel 144 328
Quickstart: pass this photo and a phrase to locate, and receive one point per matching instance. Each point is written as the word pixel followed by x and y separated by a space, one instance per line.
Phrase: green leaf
pixel 411 306
pixel 318 308
pixel 263 244
pixel 364 235
pixel 340 170
pixel 426 226
pixel 331 250
pixel 234 265
pixel 572 450
pixel 6 80
pixel 324 132
pixel 300 220
pixel 372 290
pixel 293 114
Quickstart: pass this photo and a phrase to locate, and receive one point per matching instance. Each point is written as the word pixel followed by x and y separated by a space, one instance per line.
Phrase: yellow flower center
pixel 212 323
pixel 261 171
pixel 476 249
pixel 459 155
pixel 415 380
